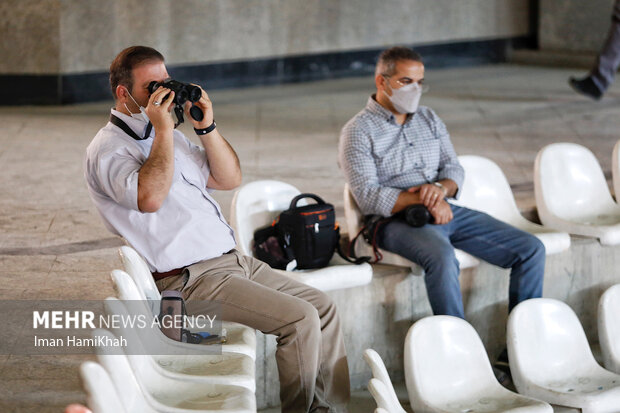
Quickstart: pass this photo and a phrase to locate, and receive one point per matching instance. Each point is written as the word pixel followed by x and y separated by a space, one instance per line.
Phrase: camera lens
pixel 417 215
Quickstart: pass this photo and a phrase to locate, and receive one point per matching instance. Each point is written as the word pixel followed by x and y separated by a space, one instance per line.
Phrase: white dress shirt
pixel 188 228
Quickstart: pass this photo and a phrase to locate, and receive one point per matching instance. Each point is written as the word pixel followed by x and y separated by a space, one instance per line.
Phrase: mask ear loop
pixel 149 125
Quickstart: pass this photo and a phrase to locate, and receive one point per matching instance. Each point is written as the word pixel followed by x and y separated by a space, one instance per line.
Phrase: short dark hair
pixel 386 64
pixel 124 63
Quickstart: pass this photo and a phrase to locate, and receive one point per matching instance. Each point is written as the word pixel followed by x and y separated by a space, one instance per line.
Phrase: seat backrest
pixel 115 307
pixel 124 286
pixel 127 290
pixel 139 271
pixel 117 366
pixel 255 205
pixel 486 189
pixel 615 170
pixel 445 361
pixel 352 213
pixel 102 396
pixel 546 343
pixel 382 397
pixel 380 373
pixel 569 182
pixel 609 327
pixel 137 350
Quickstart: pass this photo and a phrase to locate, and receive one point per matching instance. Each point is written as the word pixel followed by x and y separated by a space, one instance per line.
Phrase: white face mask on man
pixel 139 116
pixel 405 99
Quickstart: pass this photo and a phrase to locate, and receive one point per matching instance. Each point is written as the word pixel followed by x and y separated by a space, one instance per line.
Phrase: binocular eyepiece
pixel 183 92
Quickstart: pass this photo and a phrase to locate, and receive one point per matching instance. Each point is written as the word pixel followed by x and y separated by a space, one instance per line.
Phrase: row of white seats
pixel 447 368
pixel 485 189
pixel 184 377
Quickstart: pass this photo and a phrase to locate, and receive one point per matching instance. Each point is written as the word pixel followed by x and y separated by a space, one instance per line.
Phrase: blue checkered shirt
pixel 381 158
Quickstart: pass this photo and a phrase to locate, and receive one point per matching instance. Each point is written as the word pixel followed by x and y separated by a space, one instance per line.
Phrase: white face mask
pixel 139 116
pixel 405 99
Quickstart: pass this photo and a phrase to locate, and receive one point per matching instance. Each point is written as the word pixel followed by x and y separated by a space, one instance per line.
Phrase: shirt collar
pixel 375 108
pixel 137 125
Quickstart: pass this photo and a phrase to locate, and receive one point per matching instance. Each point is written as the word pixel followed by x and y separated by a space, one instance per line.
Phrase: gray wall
pixel 81 36
pixel 573 25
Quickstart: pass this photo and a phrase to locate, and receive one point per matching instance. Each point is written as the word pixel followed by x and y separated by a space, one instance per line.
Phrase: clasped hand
pixel 433 198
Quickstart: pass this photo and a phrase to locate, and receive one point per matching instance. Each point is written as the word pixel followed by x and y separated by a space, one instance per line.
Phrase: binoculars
pixel 183 92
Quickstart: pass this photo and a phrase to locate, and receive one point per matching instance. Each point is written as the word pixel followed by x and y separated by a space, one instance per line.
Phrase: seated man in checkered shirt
pixel 395 154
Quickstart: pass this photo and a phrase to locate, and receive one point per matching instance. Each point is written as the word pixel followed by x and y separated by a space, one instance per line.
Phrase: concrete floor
pixel 54 246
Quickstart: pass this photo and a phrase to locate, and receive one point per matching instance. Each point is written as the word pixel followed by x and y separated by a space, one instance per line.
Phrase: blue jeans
pixel 432 247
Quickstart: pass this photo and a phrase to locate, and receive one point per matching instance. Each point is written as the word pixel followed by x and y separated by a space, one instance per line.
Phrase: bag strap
pixel 373 238
pixel 299 197
pixel 349 258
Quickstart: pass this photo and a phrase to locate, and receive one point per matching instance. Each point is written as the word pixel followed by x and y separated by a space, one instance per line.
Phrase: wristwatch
pixel 443 188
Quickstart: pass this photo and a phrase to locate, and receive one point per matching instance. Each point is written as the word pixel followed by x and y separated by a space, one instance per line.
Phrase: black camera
pixel 183 92
pixel 417 215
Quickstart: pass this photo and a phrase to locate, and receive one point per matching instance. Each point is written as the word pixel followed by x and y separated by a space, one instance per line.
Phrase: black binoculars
pixel 183 92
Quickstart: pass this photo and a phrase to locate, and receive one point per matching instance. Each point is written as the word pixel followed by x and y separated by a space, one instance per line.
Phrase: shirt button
pixel 411 144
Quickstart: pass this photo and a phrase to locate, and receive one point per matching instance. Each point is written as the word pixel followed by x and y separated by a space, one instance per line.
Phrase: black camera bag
pixel 308 234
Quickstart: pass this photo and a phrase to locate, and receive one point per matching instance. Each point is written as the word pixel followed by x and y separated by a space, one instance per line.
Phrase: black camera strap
pixel 115 120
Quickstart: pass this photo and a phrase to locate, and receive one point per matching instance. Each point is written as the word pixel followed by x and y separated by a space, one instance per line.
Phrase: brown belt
pixel 161 275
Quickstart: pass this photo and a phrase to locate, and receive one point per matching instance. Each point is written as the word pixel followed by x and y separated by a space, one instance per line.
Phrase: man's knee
pixel 534 248
pixel 441 262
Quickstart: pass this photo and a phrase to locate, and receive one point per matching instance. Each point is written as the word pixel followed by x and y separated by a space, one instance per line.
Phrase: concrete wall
pixel 573 25
pixel 384 310
pixel 80 36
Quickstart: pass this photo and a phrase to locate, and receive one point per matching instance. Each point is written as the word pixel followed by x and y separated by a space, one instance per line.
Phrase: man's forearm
pixel 451 187
pixel 224 166
pixel 405 199
pixel 155 175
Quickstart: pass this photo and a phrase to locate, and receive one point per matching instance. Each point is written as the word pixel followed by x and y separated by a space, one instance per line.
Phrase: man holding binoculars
pixel 152 186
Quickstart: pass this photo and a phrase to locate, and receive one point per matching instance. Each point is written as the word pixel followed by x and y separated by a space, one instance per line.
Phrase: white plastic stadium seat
pixel 240 338
pixel 486 189
pixel 572 194
pixel 161 394
pixel 353 218
pixel 256 204
pixel 381 394
pixel 101 394
pixel 550 358
pixel 174 355
pixel 447 369
pixel 609 327
pixel 227 368
pixel 386 396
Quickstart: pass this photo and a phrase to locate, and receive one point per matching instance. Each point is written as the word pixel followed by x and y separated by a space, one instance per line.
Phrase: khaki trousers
pixel 311 358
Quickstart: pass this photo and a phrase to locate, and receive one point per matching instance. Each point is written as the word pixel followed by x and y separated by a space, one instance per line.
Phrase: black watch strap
pixel 205 130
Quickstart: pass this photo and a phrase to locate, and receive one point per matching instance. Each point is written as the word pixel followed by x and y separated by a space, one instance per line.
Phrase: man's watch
pixel 443 188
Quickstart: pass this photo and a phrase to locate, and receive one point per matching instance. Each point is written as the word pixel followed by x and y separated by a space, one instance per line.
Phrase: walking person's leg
pixel 603 73
pixel 608 60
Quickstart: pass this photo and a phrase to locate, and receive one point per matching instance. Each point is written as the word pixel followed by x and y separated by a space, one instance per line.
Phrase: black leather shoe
pixel 585 87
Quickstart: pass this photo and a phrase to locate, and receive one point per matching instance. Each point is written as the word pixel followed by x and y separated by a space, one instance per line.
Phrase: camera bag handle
pixel 299 197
